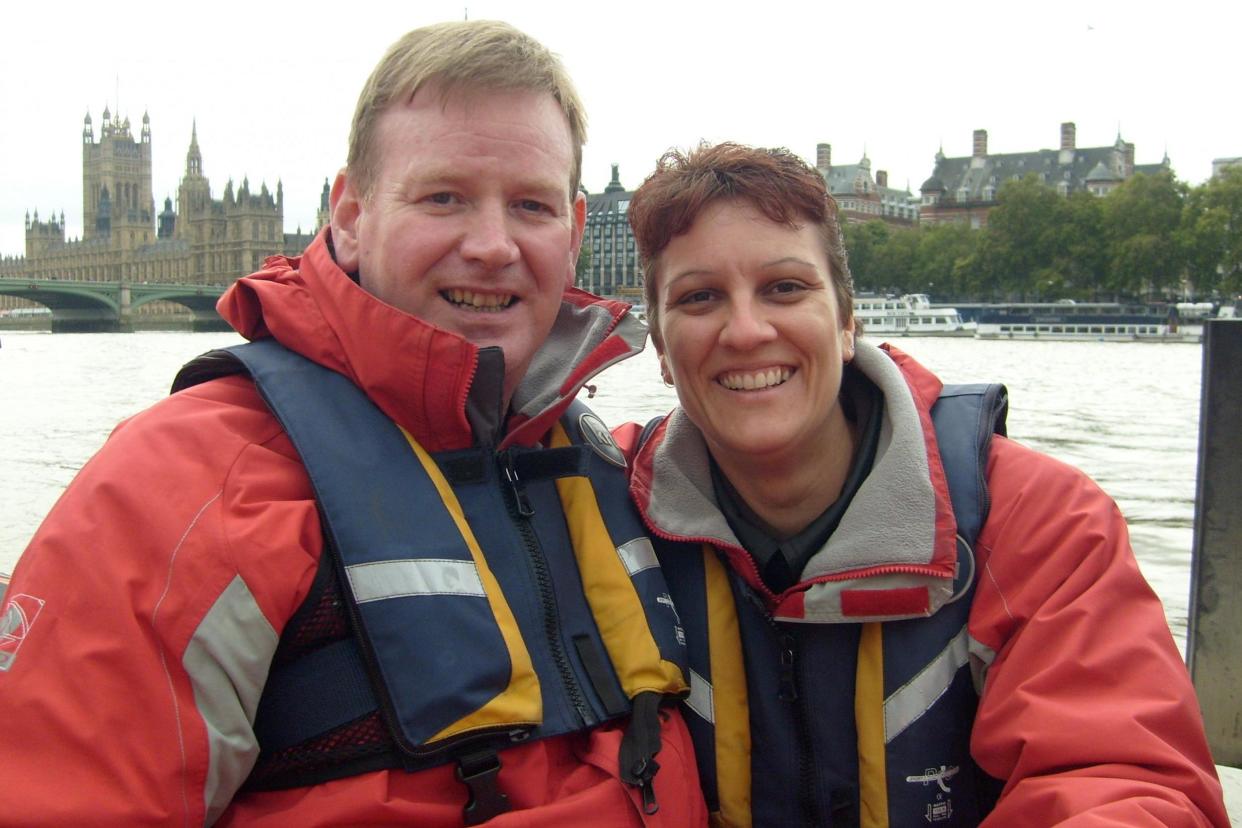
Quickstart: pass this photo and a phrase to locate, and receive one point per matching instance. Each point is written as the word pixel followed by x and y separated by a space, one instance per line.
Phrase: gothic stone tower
pixel 116 183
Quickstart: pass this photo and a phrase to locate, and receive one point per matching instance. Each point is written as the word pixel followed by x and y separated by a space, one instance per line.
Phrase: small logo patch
pixel 600 439
pixel 15 622
pixel 944 774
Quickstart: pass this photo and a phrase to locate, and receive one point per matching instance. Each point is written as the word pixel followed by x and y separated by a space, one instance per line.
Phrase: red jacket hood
pixel 420 375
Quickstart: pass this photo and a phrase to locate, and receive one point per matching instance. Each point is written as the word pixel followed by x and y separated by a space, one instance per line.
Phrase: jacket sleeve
pixel 151 599
pixel 1087 714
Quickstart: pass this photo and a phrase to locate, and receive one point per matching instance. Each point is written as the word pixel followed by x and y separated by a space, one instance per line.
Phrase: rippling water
pixel 1126 413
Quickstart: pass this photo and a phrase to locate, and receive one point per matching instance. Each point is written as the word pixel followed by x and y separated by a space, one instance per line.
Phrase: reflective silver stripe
pixel 637 555
pixel 399 579
pixel 916 696
pixel 227 661
pixel 702 698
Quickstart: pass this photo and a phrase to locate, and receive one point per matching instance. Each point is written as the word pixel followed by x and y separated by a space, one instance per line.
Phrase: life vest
pixel 857 723
pixel 466 600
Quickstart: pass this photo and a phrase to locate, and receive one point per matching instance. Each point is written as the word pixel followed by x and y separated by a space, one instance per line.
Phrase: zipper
pixel 520 512
pixel 788 693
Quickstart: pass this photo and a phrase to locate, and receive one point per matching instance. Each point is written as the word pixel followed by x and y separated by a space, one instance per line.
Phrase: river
pixel 1126 413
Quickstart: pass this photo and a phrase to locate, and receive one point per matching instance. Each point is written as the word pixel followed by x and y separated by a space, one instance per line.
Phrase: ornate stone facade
pixel 964 189
pixel 205 241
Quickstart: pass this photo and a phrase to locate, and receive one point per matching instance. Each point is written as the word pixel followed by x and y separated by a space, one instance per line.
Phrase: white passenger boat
pixel 909 315
pixel 1091 321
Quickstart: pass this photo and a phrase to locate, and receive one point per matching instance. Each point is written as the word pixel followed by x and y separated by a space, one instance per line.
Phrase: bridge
pixel 89 307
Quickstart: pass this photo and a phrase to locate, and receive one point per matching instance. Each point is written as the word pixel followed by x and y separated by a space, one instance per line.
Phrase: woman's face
pixel 751 335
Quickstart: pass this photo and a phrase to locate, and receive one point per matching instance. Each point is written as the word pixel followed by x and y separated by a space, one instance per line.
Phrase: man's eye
pixel 441 198
pixel 532 206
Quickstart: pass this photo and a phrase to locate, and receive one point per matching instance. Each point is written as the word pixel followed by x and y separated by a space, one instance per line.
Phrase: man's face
pixel 469 223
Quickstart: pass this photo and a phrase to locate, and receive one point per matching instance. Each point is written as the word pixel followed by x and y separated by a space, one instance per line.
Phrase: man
pixel 353 587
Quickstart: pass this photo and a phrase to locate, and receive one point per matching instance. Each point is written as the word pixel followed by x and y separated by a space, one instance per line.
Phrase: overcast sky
pixel 273 91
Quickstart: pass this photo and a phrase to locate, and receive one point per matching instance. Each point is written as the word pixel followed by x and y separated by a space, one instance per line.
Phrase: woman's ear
pixel 665 373
pixel 847 343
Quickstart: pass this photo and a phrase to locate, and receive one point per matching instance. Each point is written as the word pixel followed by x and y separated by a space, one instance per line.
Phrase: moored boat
pixel 1088 321
pixel 909 315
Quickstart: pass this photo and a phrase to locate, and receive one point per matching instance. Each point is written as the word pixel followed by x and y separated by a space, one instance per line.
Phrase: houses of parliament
pixel 206 240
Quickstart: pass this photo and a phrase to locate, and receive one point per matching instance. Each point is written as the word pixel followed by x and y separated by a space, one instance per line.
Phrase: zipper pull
pixel 788 679
pixel 519 493
pixel 639 745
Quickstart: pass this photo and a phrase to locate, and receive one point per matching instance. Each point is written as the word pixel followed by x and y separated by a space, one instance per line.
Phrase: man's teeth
pixel 479 301
pixel 754 380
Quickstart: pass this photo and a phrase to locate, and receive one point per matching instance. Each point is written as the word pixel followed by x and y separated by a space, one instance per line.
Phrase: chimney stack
pixel 881 178
pixel 981 143
pixel 823 156
pixel 1129 159
pixel 1068 136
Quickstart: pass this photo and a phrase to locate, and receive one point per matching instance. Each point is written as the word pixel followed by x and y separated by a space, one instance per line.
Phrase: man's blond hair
pixel 460 56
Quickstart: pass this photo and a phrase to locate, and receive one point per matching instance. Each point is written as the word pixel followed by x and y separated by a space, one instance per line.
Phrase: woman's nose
pixel 746 326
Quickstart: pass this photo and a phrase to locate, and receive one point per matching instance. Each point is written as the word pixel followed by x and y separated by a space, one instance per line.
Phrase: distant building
pixel 205 241
pixel 863 198
pixel 1219 165
pixel 965 189
pixel 613 270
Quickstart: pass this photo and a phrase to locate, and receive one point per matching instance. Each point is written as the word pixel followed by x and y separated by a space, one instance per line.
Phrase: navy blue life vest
pixel 842 724
pixel 466 600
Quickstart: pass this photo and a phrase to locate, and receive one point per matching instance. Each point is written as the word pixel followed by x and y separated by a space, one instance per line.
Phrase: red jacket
pixel 1087 712
pixel 155 591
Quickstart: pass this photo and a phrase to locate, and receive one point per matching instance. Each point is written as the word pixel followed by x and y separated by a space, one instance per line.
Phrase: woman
pixel 864 652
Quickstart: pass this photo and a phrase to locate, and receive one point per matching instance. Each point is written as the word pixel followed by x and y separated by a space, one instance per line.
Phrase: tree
pixel 1141 222
pixel 1212 234
pixel 863 243
pixel 941 260
pixel 1024 240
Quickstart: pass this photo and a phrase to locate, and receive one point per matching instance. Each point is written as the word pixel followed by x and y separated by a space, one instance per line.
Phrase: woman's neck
pixel 789 490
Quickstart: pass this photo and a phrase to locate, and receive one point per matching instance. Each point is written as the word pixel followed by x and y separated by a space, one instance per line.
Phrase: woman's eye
pixel 786 287
pixel 695 297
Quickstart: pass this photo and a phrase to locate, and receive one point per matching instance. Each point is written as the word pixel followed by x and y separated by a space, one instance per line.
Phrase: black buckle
pixel 479 772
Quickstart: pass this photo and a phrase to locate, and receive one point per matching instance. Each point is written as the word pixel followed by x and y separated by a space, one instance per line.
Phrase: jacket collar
pixel 419 375
pixel 894 553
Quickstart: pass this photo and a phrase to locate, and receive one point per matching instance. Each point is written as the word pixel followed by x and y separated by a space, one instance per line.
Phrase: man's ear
pixel 346 204
pixel 578 216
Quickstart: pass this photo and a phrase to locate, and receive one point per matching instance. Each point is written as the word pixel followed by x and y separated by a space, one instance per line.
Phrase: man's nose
pixel 487 238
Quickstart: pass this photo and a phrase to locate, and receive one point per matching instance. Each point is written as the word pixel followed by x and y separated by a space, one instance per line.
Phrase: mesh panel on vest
pixel 355 747
pixel 304 764
pixel 320 620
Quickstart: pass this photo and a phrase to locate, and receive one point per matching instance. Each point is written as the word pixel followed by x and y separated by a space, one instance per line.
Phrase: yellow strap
pixel 521 702
pixel 869 719
pixel 614 600
pixel 731 709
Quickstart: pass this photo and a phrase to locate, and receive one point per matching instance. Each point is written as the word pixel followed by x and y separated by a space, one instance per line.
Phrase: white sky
pixel 273 87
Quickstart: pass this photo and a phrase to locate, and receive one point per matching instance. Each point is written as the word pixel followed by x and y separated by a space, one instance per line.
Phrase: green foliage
pixel 1152 237
pixel 1212 234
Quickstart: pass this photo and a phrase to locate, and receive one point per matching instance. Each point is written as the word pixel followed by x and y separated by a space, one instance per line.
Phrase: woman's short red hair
pixel 775 181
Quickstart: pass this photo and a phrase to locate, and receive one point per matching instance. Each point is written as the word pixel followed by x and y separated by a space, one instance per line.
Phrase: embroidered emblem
pixel 938 776
pixel 15 622
pixel 600 440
